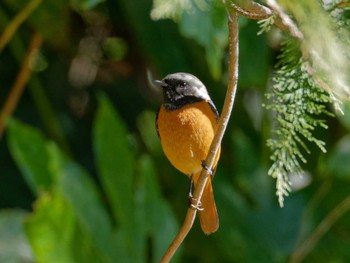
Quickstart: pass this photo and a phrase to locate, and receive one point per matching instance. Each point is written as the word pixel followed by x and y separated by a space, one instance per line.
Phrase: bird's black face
pixel 180 89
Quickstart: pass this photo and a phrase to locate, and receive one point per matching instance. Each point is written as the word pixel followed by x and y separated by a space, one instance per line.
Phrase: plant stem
pixel 250 9
pixel 286 21
pixel 12 27
pixel 20 82
pixel 222 125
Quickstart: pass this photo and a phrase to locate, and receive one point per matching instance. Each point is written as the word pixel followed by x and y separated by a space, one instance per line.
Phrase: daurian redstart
pixel 186 124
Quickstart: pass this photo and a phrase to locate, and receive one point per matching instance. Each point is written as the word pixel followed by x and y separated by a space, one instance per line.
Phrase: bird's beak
pixel 160 83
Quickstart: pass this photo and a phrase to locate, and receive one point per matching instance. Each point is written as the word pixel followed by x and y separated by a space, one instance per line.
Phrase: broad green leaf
pixel 115 161
pixel 50 229
pixel 56 235
pixel 28 148
pixel 82 195
pixel 14 246
pixel 158 219
pixel 208 26
pixel 116 165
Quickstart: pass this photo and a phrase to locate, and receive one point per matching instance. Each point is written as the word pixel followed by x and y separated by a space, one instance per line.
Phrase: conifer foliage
pixel 299 106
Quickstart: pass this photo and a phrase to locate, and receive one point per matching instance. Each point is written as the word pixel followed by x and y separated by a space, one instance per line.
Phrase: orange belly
pixel 186 135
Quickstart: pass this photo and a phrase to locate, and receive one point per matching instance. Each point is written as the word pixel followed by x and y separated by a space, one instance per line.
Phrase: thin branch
pixel 222 125
pixel 256 11
pixel 20 83
pixel 12 27
pixel 251 9
pixel 304 249
pixel 286 21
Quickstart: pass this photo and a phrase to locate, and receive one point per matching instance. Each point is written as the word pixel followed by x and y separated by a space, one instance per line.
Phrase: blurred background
pixel 82 174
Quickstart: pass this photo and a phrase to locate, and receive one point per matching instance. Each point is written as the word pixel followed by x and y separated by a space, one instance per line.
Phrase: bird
pixel 186 123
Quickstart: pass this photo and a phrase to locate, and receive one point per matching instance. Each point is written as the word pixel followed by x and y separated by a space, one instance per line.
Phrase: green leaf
pixel 208 26
pixel 28 148
pixel 50 229
pixel 82 195
pixel 169 8
pixel 115 161
pixel 116 167
pixel 158 219
pixel 14 246
pixel 55 234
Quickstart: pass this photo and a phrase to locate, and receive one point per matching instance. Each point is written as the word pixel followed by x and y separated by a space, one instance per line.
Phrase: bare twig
pixel 222 124
pixel 20 83
pixel 251 9
pixel 286 21
pixel 256 11
pixel 301 252
pixel 12 27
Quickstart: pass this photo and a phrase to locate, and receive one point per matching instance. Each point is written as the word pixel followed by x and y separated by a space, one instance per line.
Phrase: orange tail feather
pixel 209 218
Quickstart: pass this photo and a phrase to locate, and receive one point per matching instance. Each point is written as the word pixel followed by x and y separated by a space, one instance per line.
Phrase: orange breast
pixel 186 135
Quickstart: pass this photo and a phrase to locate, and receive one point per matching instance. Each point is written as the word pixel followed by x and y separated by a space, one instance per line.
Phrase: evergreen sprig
pixel 266 24
pixel 297 103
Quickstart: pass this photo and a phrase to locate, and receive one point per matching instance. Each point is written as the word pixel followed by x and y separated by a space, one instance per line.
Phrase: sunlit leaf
pixel 50 230
pixel 169 8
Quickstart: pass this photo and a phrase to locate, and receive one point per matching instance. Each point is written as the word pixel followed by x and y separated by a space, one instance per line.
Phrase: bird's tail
pixel 208 217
